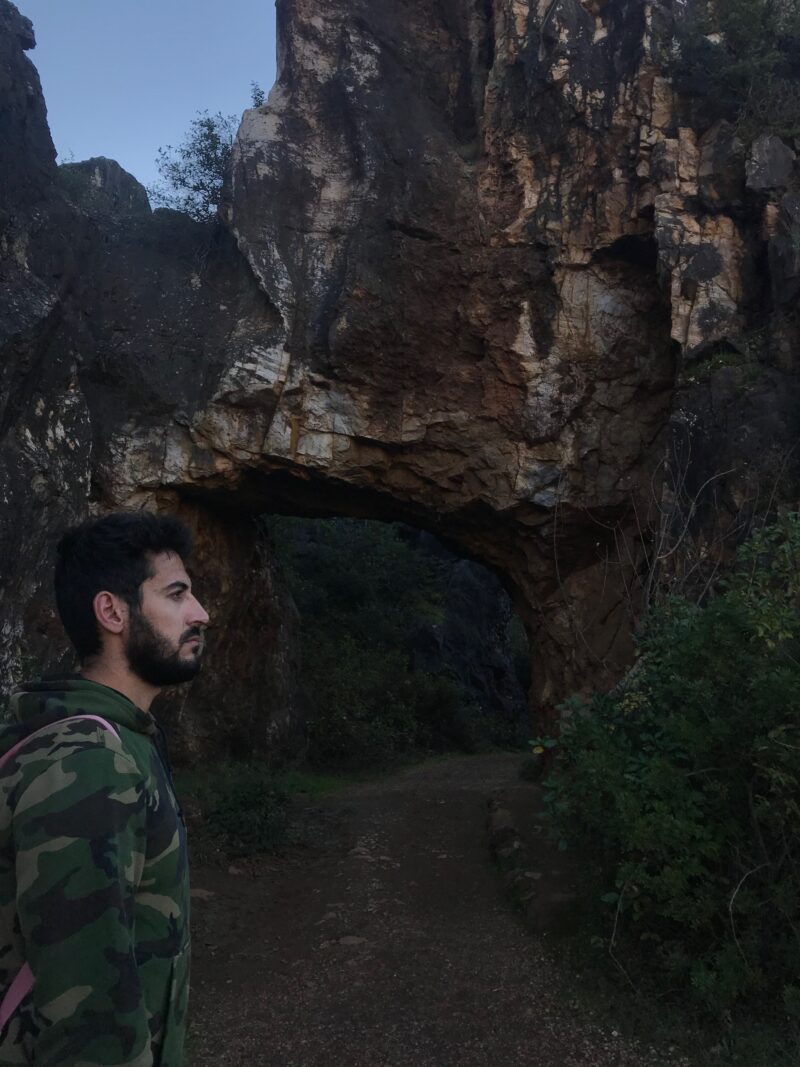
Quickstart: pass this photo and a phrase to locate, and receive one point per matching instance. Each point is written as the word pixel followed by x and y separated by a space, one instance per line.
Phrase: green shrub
pixel 751 74
pixel 362 716
pixel 371 710
pixel 245 807
pixel 686 786
pixel 193 173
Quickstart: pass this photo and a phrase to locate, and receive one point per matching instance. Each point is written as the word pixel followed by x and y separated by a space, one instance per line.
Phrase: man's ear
pixel 110 611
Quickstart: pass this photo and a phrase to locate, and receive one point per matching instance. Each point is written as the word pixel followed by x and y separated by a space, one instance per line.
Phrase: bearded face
pixel 155 659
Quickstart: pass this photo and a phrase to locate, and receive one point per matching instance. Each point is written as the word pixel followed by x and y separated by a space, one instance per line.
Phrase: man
pixel 94 894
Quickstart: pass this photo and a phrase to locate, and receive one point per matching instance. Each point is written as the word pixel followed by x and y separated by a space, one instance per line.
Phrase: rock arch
pixel 448 288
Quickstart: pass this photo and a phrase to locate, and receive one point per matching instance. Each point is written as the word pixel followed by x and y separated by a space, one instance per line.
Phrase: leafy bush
pixel 246 807
pixel 192 175
pixel 363 717
pixel 740 60
pixel 686 784
pixel 242 808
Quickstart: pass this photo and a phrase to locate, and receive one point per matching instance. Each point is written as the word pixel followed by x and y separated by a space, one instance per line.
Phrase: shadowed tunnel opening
pixel 346 644
pixel 404 647
pixel 349 628
pixel 311 629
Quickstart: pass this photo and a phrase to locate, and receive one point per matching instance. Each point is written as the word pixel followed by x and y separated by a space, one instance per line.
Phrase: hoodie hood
pixel 37 704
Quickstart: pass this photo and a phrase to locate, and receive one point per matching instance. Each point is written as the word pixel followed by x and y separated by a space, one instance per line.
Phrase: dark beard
pixel 151 658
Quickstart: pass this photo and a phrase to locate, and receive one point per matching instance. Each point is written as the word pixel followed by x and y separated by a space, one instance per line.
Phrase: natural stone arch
pixel 460 243
pixel 412 315
pixel 576 613
pixel 457 325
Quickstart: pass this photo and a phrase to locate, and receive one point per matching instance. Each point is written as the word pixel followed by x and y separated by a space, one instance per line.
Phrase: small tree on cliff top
pixel 192 174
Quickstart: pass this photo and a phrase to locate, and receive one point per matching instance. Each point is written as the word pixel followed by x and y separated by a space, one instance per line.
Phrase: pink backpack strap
pixel 72 718
pixel 22 985
pixel 24 980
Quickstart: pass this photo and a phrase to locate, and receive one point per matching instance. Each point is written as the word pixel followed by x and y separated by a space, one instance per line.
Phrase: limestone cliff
pixel 472 273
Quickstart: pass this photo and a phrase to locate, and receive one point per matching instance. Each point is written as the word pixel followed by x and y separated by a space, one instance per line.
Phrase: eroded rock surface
pixel 467 248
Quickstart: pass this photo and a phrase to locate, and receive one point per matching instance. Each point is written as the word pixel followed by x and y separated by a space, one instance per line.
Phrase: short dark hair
pixel 110 553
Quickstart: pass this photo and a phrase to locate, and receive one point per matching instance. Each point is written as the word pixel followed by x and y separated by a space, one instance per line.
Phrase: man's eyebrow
pixel 175 585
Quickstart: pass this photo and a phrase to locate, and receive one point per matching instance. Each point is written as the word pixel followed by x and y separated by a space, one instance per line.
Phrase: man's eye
pixel 177 594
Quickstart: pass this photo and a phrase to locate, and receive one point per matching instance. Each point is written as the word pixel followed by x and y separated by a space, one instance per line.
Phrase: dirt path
pixel 388 943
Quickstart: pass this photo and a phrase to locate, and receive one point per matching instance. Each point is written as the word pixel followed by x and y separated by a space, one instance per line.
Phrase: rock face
pixel 108 337
pixel 472 275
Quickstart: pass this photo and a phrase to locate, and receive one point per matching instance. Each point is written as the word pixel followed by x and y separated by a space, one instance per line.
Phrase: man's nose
pixel 199 615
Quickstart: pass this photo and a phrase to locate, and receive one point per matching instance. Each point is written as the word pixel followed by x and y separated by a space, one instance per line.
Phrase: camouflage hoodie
pixel 94 888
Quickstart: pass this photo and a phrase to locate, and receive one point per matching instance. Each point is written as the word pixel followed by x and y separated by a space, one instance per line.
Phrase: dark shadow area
pixel 406 649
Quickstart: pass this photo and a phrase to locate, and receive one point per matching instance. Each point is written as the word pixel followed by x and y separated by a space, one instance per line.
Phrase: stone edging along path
pixel 511 854
pixel 542 886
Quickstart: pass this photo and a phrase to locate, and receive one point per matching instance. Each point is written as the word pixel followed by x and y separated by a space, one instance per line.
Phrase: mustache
pixel 187 635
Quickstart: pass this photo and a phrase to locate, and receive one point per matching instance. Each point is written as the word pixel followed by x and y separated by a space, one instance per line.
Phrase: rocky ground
pixel 388 942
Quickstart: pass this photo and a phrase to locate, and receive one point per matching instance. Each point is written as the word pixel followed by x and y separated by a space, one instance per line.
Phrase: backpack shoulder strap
pixel 72 718
pixel 15 994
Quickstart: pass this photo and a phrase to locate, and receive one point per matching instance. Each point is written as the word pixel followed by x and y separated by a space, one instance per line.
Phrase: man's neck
pixel 123 680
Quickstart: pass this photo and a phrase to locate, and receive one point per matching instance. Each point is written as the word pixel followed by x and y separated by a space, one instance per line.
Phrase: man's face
pixel 165 635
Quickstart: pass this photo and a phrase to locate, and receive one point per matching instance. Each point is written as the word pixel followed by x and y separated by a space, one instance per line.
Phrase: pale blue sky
pixel 123 77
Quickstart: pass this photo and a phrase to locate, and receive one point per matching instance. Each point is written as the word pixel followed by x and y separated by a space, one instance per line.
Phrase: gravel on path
pixel 388 943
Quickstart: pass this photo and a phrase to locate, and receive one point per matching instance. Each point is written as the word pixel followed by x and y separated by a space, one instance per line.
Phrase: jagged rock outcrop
pixel 108 331
pixel 468 254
